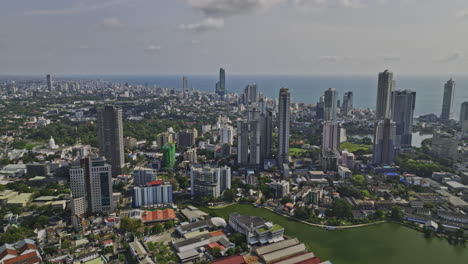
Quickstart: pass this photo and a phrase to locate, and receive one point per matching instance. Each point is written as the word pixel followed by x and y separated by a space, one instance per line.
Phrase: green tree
pixel 169 224
pixel 397 213
pixel 157 229
pixel 341 209
pixel 286 200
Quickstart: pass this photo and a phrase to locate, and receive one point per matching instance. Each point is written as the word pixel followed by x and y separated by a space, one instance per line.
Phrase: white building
pixel 226 135
pixel 154 193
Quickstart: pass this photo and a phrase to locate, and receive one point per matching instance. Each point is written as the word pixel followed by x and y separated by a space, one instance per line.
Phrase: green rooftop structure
pixel 169 151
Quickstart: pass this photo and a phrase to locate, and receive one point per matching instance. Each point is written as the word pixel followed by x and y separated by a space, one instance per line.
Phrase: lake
pixel 377 244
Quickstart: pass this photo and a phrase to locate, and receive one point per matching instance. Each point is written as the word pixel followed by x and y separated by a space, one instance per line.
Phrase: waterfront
pixel 416 142
pixel 384 243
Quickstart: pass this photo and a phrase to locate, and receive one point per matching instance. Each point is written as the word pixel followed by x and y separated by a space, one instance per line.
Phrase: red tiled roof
pixel 27 246
pixel 30 258
pixel 310 261
pixel 158 215
pixel 216 233
pixel 231 260
pixel 107 242
pixel 155 182
pixel 8 252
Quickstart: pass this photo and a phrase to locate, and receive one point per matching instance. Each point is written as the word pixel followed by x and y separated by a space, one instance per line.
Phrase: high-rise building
pixel 110 132
pixel 284 120
pixel 143 176
pixel 248 142
pixel 384 142
pixel 169 151
pixel 49 83
pixel 204 181
pixel 279 188
pixel 330 137
pixel 153 193
pixel 226 134
pixel 191 156
pixel 266 135
pixel 250 94
pixel 347 103
pixel 92 180
pixel 447 103
pixel 224 178
pixel 330 104
pixel 187 138
pixel 464 112
pixel 464 117
pixel 221 85
pixel 184 84
pixel 384 95
pixel 164 138
pixel 402 114
pixel 445 146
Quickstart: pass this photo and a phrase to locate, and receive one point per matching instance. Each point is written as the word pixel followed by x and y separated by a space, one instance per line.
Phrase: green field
pixel 377 244
pixel 351 147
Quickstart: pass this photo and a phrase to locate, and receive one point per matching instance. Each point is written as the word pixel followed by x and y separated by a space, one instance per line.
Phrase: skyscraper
pixel 184 84
pixel 284 117
pixel 330 104
pixel 221 85
pixel 110 134
pixel 384 142
pixel 464 112
pixel 224 178
pixel 204 181
pixel 330 138
pixel 248 142
pixel 384 94
pixel 266 131
pixel 226 134
pixel 447 103
pixel 49 82
pixel 347 103
pixel 402 114
pixel 92 182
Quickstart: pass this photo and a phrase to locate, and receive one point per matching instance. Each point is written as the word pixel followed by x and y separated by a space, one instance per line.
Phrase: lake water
pixel 377 244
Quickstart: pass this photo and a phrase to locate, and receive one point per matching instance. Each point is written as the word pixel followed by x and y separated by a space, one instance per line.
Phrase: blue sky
pixel 244 36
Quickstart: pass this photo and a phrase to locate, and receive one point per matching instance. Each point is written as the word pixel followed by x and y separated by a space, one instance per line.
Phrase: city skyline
pixel 207 34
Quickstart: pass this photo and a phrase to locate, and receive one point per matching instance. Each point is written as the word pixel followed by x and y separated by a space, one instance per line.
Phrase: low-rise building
pixel 256 229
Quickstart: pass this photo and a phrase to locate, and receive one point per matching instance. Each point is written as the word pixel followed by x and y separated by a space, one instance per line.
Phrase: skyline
pixel 196 37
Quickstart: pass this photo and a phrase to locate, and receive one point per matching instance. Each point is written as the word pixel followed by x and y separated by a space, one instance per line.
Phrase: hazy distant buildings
pixel 110 134
pixel 384 142
pixel 347 103
pixel 447 103
pixel 250 94
pixel 384 94
pixel 49 82
pixel 184 84
pixel 284 117
pixel 92 181
pixel 221 84
pixel 402 115
pixel 330 106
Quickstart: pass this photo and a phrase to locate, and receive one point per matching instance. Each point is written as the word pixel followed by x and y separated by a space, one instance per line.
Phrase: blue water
pixel 308 89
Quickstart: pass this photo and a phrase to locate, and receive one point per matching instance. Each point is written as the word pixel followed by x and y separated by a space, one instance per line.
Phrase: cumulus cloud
pixel 79 8
pixel 222 8
pixel 111 23
pixel 206 24
pixel 152 48
pixel 453 56
pixel 330 3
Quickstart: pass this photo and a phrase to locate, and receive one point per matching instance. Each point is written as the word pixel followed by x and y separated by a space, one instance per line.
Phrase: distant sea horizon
pixel 303 88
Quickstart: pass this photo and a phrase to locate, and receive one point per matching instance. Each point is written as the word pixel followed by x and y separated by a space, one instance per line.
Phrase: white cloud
pixel 111 23
pixel 462 14
pixel 79 8
pixel 330 3
pixel 152 48
pixel 222 8
pixel 206 24
pixel 453 56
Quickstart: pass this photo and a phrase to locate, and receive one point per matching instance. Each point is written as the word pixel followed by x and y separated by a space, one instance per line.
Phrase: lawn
pixel 296 151
pixel 351 147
